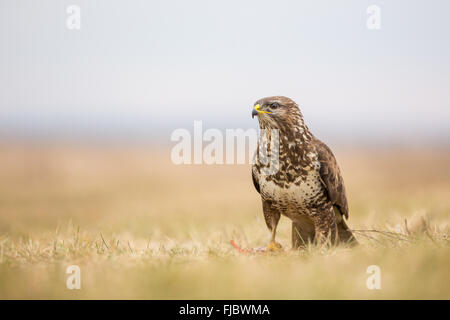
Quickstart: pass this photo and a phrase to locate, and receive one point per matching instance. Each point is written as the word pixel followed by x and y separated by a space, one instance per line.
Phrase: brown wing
pixel 255 178
pixel 331 177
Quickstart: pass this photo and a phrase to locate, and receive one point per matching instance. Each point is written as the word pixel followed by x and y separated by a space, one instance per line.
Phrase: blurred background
pixel 136 71
pixel 86 117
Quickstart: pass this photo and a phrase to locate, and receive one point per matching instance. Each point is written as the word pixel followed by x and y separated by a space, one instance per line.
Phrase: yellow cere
pixel 258 107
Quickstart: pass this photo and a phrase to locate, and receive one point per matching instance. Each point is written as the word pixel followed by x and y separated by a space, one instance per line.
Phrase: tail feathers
pixel 345 235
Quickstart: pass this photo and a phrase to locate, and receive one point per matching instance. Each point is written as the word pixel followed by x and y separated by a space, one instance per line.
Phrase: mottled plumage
pixel 307 187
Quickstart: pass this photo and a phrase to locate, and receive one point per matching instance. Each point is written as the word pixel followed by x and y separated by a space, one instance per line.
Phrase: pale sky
pixel 144 67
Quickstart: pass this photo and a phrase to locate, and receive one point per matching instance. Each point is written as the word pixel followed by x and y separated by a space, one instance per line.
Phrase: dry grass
pixel 140 227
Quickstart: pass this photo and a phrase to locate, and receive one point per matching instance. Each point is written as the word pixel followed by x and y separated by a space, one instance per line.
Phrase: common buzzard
pixel 307 187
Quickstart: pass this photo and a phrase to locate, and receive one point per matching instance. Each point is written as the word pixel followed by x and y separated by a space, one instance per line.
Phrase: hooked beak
pixel 257 110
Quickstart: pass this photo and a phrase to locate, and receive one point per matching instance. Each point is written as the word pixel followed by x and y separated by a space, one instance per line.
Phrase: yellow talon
pixel 273 247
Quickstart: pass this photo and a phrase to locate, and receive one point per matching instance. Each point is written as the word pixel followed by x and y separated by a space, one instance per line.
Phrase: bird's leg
pixel 273 245
pixel 325 226
pixel 271 216
pixel 302 232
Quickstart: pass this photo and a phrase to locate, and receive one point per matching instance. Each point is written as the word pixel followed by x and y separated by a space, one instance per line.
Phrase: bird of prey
pixel 307 187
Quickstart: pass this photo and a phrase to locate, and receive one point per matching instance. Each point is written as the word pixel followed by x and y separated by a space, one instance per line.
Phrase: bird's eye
pixel 274 105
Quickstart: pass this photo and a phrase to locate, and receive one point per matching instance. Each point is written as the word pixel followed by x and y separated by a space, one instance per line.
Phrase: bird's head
pixel 276 112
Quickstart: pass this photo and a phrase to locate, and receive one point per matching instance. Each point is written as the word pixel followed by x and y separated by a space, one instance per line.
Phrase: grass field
pixel 140 227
